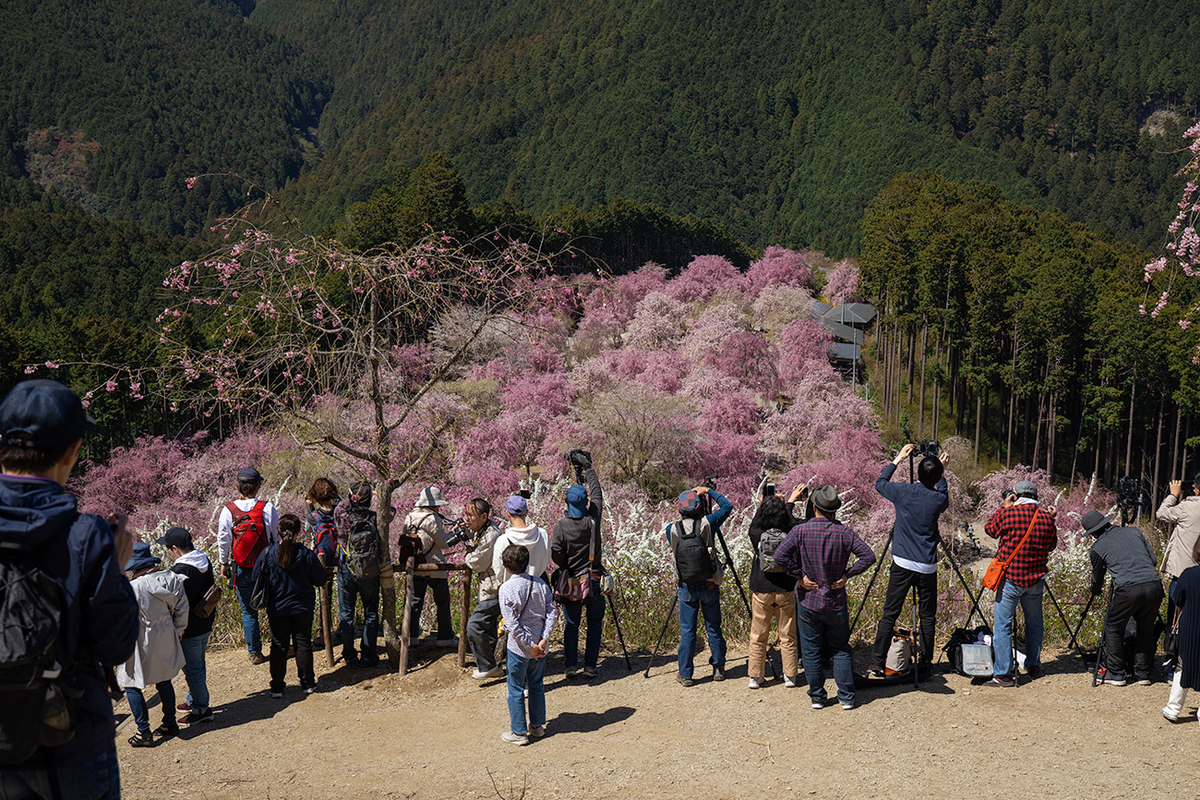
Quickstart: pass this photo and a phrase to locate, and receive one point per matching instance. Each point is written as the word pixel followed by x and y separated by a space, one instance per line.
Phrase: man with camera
pixel 575 545
pixel 1182 509
pixel 481 627
pixel 1027 535
pixel 1137 594
pixel 915 540
pixel 698 573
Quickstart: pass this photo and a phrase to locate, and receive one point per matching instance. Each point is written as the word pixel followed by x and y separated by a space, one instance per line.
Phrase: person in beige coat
pixel 158 657
pixel 1183 548
pixel 424 523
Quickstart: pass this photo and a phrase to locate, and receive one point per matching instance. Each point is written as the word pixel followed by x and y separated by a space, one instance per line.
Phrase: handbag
pixel 1171 639
pixel 997 569
pixel 260 594
pixel 208 603
pixel 570 588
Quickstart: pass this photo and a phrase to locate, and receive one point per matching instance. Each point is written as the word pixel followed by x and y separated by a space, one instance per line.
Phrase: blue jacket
pixel 917 511
pixel 291 588
pixel 100 625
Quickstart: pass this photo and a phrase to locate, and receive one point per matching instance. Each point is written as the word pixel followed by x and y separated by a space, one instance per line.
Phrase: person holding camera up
pixel 1137 594
pixel 698 572
pixel 575 546
pixel 1027 535
pixel 773 591
pixel 481 627
pixel 816 553
pixel 425 523
pixel 1183 548
pixel 915 540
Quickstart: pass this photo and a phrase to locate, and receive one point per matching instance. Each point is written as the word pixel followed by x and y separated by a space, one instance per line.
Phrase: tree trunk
pixel 1175 447
pixel 1037 436
pixel 978 423
pixel 1129 439
pixel 924 356
pixel 1012 399
pixel 1158 448
pixel 912 362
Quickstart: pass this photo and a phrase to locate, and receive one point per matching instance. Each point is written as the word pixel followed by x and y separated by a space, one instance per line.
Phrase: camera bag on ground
pixel 767 544
pixel 36 706
pixel 361 556
pixel 967 654
pixel 693 558
pixel 249 533
pixel 900 653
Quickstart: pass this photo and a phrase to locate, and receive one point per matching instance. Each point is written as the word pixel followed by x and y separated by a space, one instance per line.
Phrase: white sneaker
pixel 1169 714
pixel 847 706
pixel 755 683
pixel 479 675
pixel 514 738
pixel 789 681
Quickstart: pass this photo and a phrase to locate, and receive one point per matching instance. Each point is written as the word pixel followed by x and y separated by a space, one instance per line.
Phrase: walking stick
pixel 620 636
pixel 916 667
pixel 658 644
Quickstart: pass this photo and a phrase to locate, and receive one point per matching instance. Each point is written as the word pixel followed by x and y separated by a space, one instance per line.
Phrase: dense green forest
pixel 1024 328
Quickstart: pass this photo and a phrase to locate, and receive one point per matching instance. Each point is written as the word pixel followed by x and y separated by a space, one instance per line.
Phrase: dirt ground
pixel 436 734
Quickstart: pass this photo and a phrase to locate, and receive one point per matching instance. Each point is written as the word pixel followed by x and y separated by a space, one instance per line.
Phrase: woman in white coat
pixel 158 657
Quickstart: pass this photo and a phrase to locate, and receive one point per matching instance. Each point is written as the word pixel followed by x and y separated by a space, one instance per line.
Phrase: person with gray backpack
pixel 773 591
pixel 698 571
pixel 358 573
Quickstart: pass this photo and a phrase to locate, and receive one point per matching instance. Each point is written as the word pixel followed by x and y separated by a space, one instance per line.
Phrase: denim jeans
pixel 572 616
pixel 526 673
pixel 441 596
pixel 830 630
pixel 141 714
pixel 350 589
pixel 195 671
pixel 481 633
pixel 696 598
pixel 96 778
pixel 1030 598
pixel 244 581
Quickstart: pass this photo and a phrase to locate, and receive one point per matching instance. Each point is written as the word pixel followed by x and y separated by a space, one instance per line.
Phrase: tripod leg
pixel 916 667
pixel 975 609
pixel 741 591
pixel 620 636
pixel 1058 608
pixel 871 583
pixel 661 634
pixel 1100 649
pixel 1082 617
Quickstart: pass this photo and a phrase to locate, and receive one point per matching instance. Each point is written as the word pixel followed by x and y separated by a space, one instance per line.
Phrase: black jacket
pixel 768 582
pixel 569 542
pixel 196 583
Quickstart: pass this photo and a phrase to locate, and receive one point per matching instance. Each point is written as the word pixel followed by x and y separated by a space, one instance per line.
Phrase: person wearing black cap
pixel 1137 594
pixel 915 539
pixel 240 540
pixel 163 611
pixel 351 514
pixel 198 579
pixel 42 424
pixel 575 545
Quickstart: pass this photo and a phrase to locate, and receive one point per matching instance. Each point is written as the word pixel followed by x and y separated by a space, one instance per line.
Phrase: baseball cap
pixel 249 475
pixel 42 414
pixel 516 505
pixel 176 537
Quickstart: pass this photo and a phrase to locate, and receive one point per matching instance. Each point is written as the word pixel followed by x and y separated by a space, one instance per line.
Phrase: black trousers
pixel 900 582
pixel 284 629
pixel 441 596
pixel 1139 602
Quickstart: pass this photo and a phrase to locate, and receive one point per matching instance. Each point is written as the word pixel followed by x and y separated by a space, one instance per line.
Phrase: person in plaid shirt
pixel 1025 580
pixel 816 553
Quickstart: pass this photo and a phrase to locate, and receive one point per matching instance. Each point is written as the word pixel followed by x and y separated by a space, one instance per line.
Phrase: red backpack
pixel 249 533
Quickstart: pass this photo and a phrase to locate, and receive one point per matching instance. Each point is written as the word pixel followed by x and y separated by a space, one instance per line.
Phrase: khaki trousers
pixel 780 606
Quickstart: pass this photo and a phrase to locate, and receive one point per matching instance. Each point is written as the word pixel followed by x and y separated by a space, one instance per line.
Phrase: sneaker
pixel 1144 681
pixel 682 681
pixel 848 706
pixel 142 740
pixel 1170 715
pixel 367 663
pixel 791 681
pixel 184 707
pixel 309 689
pixel 1113 680
pixel 1034 671
pixel 1002 681
pixel 514 738
pixel 496 672
pixel 822 703
pixel 589 672
pixel 572 673
pixel 277 695
pixel 451 642
pixel 875 671
pixel 257 658
pixel 756 683
pixel 196 716
pixel 718 673
pixel 479 675
pixel 537 731
pixel 167 730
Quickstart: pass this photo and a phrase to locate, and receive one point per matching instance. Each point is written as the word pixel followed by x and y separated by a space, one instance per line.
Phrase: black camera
pixel 929 447
pixel 1188 488
pixel 457 531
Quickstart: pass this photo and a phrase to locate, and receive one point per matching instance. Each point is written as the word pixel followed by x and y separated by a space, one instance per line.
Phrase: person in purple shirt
pixel 816 552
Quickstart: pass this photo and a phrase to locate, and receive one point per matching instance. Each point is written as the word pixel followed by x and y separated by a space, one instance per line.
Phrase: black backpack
pixel 36 707
pixel 767 544
pixel 361 556
pixel 692 557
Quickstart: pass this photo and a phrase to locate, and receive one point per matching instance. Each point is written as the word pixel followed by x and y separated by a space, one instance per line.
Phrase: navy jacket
pixel 291 588
pixel 916 534
pixel 100 625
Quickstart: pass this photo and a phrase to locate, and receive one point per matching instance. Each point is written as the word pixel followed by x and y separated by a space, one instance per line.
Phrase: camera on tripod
pixel 1130 498
pixel 930 448
pixel 580 460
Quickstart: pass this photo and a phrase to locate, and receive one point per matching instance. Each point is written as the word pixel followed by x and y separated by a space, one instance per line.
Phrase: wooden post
pixel 325 610
pixel 466 614
pixel 405 624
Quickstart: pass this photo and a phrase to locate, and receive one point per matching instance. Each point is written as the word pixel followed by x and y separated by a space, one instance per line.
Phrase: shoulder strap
pixel 233 510
pixel 1028 531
